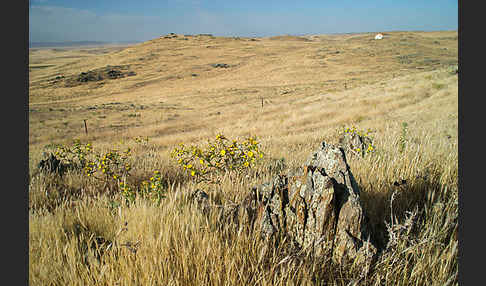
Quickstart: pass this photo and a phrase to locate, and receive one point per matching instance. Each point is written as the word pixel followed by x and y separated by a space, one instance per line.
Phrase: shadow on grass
pixel 390 204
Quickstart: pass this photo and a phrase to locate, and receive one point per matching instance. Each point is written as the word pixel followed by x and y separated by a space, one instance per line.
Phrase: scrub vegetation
pixel 131 150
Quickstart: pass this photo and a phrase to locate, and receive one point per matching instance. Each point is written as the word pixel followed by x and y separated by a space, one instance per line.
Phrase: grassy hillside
pixel 292 93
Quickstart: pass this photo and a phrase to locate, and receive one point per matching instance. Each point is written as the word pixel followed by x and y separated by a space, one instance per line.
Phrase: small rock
pixel 400 183
pixel 201 199
pixel 352 141
pixel 114 74
pixel 52 165
pixel 220 65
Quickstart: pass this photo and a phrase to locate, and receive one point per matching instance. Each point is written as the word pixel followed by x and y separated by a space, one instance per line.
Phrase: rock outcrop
pixel 355 143
pixel 220 65
pixel 317 206
pixel 108 72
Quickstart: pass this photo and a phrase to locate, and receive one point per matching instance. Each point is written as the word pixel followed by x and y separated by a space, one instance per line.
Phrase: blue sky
pixel 130 20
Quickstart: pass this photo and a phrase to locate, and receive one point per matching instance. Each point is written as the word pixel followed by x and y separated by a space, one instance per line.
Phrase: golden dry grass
pixel 309 93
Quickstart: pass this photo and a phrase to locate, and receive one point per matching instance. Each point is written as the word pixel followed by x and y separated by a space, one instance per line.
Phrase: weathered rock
pixel 201 200
pixel 271 201
pixel 97 75
pixel 220 65
pixel 170 36
pixel 52 165
pixel 114 74
pixel 317 206
pixel 352 142
pixel 89 76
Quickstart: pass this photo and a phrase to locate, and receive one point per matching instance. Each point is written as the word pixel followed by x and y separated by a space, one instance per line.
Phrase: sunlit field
pixel 290 93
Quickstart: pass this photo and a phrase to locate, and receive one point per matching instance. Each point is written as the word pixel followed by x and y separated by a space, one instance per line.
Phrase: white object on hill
pixel 379 37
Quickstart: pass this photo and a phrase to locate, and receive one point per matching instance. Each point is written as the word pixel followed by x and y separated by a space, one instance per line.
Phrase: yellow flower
pixel 250 154
pixel 193 173
pixel 201 161
pixel 223 152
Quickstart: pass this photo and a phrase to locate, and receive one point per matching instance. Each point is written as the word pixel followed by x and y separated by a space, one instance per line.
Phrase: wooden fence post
pixel 85 126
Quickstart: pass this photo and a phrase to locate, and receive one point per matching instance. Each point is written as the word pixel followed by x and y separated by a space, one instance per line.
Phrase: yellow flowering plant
pixel 366 141
pixel 141 140
pixel 154 189
pixel 112 167
pixel 76 155
pixel 218 157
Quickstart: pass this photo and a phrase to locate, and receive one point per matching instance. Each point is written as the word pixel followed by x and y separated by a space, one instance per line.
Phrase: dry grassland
pixel 310 87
